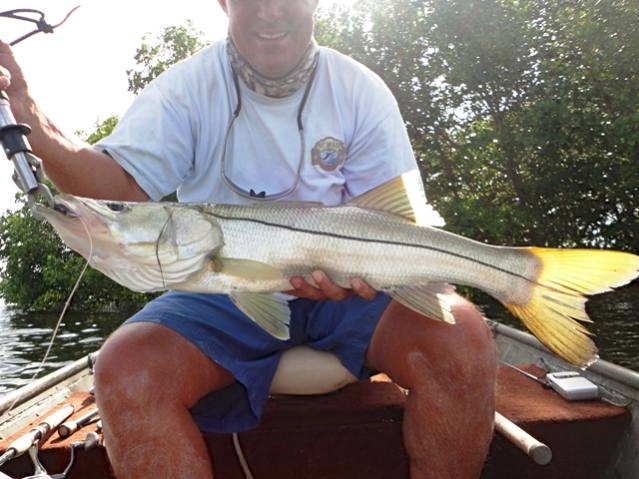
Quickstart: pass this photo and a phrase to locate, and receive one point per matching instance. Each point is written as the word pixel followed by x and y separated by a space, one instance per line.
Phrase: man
pixel 265 115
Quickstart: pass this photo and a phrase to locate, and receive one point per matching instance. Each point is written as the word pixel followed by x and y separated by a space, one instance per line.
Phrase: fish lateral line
pixel 377 241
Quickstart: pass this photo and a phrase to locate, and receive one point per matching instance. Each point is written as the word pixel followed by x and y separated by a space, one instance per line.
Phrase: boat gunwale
pixel 609 370
pixel 29 391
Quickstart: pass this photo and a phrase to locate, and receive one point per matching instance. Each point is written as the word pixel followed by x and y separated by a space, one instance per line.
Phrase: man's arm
pixel 75 167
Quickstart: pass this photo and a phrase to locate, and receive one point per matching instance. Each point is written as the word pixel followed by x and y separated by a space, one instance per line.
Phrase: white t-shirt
pixel 173 135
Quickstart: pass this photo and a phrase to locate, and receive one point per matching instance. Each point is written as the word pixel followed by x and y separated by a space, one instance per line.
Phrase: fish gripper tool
pixel 15 146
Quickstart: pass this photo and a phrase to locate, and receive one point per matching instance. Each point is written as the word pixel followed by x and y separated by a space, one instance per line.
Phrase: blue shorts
pixel 227 336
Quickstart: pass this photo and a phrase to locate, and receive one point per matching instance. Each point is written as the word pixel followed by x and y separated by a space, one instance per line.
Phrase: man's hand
pixel 5 78
pixel 12 81
pixel 325 289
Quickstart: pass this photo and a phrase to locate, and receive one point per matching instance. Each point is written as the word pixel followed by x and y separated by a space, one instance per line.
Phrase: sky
pixel 78 74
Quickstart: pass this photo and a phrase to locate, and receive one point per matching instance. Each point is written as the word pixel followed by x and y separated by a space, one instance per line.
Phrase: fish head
pixel 165 243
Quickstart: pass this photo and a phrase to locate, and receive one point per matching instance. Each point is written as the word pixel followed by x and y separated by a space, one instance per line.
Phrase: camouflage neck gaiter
pixel 279 87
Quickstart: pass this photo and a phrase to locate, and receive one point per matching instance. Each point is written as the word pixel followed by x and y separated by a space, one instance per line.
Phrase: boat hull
pixel 357 431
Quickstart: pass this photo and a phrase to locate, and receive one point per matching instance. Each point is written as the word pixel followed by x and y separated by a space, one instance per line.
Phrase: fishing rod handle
pixel 69 427
pixel 41 431
pixel 54 420
pixel 539 452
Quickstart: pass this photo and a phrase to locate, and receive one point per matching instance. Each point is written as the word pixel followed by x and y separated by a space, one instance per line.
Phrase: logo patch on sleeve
pixel 328 154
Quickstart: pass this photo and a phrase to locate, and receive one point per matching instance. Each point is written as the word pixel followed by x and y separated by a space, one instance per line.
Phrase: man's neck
pixel 279 87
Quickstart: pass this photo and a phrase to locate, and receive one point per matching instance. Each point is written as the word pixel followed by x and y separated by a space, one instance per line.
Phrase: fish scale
pixel 384 249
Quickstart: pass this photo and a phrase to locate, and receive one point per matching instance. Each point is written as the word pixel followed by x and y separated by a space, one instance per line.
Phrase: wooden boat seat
pixel 356 432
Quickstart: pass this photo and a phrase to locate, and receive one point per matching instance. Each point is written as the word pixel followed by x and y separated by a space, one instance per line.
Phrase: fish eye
pixel 115 206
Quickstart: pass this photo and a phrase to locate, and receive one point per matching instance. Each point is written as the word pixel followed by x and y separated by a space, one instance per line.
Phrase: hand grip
pixel 537 451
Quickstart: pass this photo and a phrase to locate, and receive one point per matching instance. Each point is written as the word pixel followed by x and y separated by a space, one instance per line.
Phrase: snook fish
pixel 247 251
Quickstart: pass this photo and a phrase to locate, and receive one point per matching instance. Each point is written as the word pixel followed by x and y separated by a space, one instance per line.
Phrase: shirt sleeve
pixel 380 149
pixel 154 140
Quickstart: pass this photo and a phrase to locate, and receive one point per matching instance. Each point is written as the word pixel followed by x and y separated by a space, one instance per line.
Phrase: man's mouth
pixel 271 36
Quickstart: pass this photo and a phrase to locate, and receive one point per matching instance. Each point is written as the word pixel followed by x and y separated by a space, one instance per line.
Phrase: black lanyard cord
pixel 41 24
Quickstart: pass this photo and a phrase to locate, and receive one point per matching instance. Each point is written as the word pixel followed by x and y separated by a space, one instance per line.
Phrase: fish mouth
pixel 64 209
pixel 70 210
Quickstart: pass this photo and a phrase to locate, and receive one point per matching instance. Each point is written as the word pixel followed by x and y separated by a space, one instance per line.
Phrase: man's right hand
pixel 5 78
pixel 13 82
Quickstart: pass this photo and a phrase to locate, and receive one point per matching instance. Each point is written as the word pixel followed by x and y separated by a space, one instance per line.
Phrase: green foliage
pixel 523 113
pixel 38 272
pixel 172 45
pixel 102 130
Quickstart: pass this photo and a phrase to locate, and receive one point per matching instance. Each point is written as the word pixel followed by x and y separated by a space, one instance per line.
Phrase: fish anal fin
pixel 402 196
pixel 432 300
pixel 269 311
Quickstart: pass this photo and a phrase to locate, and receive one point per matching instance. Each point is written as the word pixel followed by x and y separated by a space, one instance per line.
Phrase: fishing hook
pixel 41 23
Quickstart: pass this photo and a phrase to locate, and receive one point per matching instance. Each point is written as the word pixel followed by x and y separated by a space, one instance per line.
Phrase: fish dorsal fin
pixel 403 196
pixel 432 300
pixel 270 311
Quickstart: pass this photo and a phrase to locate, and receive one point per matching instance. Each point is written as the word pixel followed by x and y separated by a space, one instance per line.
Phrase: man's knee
pixel 127 366
pixel 415 350
pixel 143 360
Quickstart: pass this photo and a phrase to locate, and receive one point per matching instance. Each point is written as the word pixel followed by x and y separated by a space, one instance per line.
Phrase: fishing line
pixel 63 313
pixel 157 244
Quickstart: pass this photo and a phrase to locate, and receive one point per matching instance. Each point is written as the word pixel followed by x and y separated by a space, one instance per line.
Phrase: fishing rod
pixel 69 427
pixel 37 435
pixel 13 136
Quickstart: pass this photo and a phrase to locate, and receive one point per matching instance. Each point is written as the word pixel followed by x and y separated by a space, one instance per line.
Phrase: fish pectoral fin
pixel 432 300
pixel 246 268
pixel 403 196
pixel 270 311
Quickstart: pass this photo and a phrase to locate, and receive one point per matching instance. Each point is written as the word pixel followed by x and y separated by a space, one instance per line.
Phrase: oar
pixel 537 451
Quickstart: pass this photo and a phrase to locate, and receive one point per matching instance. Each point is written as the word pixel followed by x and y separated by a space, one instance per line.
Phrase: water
pixel 616 324
pixel 24 337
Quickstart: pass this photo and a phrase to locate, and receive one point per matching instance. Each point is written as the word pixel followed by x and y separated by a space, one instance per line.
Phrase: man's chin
pixel 271 64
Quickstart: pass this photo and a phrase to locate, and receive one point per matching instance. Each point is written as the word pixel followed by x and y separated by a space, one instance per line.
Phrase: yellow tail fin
pixel 557 304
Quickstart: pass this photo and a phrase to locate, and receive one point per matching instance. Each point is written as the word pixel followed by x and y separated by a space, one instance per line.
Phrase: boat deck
pixel 356 432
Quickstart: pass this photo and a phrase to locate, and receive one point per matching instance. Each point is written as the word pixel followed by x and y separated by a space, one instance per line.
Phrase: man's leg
pixel 147 377
pixel 449 371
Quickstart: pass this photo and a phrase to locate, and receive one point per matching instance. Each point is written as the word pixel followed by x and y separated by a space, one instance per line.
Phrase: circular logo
pixel 328 153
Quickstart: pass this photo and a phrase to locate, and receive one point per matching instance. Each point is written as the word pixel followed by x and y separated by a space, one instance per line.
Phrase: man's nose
pixel 271 10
